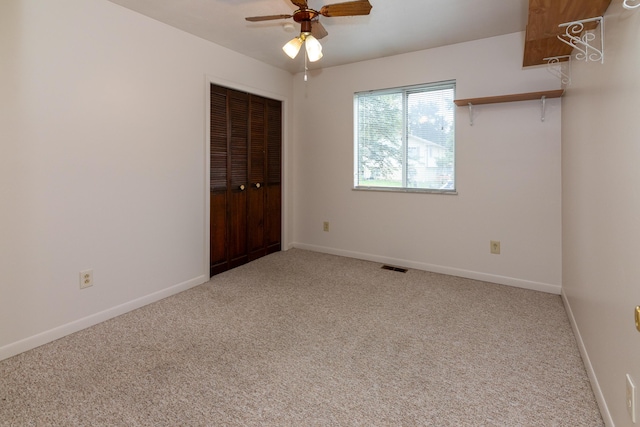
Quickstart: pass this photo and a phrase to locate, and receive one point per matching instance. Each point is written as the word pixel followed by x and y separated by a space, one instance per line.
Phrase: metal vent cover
pixel 392 268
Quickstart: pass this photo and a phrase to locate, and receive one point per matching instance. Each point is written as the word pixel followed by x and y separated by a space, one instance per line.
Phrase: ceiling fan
pixel 311 30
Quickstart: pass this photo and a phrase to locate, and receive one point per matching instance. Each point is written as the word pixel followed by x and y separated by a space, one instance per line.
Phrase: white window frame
pixel 405 91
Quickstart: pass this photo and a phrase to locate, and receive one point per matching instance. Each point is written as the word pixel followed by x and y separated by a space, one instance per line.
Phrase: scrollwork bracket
pixel 584 41
pixel 560 66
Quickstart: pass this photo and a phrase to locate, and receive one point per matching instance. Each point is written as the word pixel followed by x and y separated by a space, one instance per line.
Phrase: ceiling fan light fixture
pixel 293 47
pixel 309 20
pixel 314 48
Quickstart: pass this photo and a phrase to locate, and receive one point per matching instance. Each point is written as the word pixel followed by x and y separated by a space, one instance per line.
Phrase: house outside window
pixel 405 139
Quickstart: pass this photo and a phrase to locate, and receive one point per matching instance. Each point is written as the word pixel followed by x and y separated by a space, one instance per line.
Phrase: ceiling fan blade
pixel 317 30
pixel 350 8
pixel 302 4
pixel 267 18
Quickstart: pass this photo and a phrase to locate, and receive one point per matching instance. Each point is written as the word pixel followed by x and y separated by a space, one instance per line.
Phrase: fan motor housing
pixel 306 15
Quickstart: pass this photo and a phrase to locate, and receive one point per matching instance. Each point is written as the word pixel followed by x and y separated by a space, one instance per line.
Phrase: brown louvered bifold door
pixel 238 169
pixel 246 141
pixel 218 174
pixel 273 203
pixel 257 166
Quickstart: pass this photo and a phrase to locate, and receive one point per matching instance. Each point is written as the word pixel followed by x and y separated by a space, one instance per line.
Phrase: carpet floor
pixel 300 338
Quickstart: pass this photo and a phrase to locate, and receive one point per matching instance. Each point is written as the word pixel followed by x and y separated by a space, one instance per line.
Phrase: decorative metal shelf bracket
pixel 559 68
pixel 628 4
pixel 582 42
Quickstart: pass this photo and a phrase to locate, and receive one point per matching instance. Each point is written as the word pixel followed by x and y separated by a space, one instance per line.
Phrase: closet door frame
pixel 209 80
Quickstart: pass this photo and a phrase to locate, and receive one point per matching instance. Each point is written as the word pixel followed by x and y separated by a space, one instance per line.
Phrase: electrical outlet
pixel 325 226
pixel 86 278
pixel 495 247
pixel 631 399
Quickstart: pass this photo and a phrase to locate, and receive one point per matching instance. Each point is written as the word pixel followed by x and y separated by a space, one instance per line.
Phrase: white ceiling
pixel 393 27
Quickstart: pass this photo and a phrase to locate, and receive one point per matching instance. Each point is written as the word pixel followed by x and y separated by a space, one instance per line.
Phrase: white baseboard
pixel 597 391
pixel 45 337
pixel 485 277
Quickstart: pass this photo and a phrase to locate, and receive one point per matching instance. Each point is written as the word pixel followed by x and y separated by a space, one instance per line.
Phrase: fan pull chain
pixel 306 68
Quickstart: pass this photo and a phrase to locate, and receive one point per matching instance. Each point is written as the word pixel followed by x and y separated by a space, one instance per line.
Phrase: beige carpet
pixel 306 339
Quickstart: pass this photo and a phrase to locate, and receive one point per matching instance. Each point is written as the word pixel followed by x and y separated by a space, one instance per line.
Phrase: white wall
pixel 601 210
pixel 103 161
pixel 508 170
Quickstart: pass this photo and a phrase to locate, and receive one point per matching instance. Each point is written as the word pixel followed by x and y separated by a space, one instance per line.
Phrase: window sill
pixel 406 190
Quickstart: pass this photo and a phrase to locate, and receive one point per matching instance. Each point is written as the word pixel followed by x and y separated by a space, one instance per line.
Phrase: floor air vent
pixel 392 268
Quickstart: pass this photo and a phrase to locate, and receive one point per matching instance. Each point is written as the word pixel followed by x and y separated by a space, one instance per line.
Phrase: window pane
pixel 430 139
pixel 405 138
pixel 380 140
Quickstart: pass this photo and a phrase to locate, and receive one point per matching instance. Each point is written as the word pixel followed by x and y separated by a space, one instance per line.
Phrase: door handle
pixel 241 188
pixel 257 185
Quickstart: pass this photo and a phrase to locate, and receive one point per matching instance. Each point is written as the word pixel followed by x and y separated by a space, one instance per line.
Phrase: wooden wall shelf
pixel 509 98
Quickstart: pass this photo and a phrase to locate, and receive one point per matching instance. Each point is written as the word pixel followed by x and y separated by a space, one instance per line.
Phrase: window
pixel 405 139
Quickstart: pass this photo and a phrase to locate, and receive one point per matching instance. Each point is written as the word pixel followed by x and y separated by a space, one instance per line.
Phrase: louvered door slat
pixel 218 139
pixel 258 124
pixel 274 141
pixel 239 120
